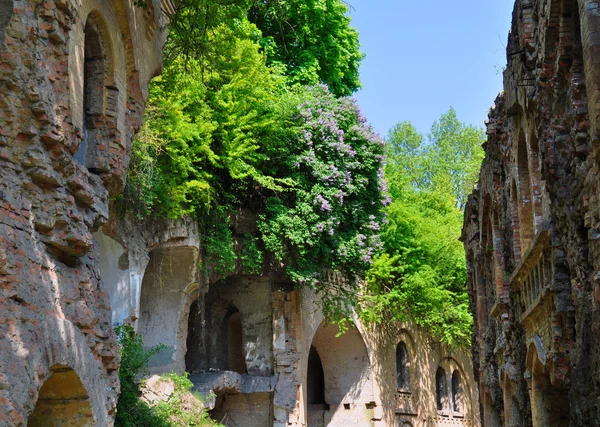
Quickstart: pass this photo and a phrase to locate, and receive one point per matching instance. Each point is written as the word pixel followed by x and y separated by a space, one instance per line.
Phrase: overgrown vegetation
pixel 250 119
pixel 421 273
pixel 251 114
pixel 178 411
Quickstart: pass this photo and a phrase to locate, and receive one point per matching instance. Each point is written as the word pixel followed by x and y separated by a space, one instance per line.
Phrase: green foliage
pixel 225 131
pixel 313 40
pixel 182 408
pixel 220 256
pixel 207 122
pixel 177 411
pixel 422 271
pixel 131 411
pixel 251 256
pixel 332 218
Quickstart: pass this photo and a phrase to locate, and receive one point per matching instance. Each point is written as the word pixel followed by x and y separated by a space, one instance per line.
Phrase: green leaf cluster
pixel 134 412
pixel 421 274
pixel 313 40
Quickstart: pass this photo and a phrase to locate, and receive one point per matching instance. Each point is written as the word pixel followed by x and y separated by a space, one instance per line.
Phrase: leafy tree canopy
pixel 311 41
pixel 421 273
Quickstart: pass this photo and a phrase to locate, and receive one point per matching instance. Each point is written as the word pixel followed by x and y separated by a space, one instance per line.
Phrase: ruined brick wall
pixel 531 226
pixel 72 75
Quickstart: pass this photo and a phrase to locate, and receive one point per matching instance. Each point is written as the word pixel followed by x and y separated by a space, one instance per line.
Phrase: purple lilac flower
pixel 325 206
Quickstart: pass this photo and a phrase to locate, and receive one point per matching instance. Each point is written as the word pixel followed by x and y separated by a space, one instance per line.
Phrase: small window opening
pixel 440 390
pixel 402 367
pixel 456 392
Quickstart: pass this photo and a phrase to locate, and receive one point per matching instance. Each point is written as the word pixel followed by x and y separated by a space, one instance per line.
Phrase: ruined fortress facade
pixel 73 85
pixel 531 228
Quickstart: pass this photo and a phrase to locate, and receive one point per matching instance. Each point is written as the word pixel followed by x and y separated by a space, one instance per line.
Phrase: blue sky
pixel 425 56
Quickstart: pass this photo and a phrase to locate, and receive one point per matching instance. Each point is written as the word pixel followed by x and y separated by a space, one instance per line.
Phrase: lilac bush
pixel 333 217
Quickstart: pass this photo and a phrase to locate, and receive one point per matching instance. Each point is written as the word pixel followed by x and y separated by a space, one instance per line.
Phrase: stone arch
pixel 549 405
pixel 165 304
pixel 62 401
pixel 61 356
pixel 525 199
pixel 348 382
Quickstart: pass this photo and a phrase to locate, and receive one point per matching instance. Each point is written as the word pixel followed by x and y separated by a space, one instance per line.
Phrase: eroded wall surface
pixel 54 304
pixel 531 226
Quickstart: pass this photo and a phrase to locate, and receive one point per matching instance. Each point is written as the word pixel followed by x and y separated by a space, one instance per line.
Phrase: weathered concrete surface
pixel 532 225
pixel 54 305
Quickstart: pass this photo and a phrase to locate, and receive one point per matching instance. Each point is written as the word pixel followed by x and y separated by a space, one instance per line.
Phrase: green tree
pixel 313 39
pixel 421 273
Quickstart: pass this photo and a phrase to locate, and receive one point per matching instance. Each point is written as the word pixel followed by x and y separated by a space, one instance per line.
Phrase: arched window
pixel 441 396
pixel 315 381
pixel 456 392
pixel 235 349
pixel 94 73
pixel 100 98
pixel 402 377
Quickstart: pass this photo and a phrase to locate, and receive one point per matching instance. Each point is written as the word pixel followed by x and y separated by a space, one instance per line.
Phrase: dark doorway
pixel 315 381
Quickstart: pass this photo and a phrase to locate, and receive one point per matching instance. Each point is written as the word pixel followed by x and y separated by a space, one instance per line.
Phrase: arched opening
pixel 402 375
pixel 526 219
pixel 441 393
pixel 100 106
pixel 235 345
pixel 63 401
pixel 164 305
pixel 549 406
pixel 347 379
pixel 94 74
pixel 457 397
pixel 315 380
pixel 229 332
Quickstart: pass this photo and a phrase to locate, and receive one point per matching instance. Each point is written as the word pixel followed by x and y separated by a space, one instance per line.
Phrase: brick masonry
pixel 531 228
pixel 54 309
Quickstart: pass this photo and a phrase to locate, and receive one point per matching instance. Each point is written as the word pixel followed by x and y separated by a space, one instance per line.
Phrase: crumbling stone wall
pixel 531 225
pixel 54 304
pixel 372 396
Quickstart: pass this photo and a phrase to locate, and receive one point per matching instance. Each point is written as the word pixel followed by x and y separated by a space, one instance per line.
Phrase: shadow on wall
pixel 223 348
